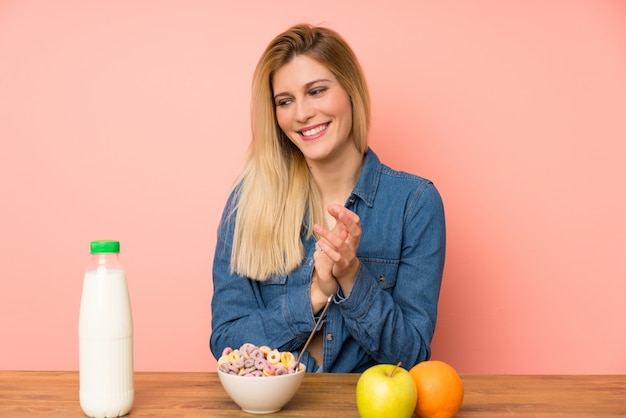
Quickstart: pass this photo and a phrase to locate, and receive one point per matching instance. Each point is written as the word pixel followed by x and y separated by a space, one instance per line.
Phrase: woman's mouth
pixel 314 132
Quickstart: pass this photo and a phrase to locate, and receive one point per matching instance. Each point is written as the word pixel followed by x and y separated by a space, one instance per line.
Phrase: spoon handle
pixel 317 324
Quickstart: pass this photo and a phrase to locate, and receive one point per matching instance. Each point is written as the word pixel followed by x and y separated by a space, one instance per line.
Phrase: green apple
pixel 384 391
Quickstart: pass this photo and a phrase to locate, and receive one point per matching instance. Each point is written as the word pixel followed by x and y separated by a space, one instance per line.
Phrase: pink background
pixel 129 120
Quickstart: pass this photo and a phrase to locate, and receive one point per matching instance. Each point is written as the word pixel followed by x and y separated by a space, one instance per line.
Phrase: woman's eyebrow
pixel 306 86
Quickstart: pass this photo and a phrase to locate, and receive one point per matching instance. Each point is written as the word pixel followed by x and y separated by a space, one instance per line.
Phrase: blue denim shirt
pixel 391 311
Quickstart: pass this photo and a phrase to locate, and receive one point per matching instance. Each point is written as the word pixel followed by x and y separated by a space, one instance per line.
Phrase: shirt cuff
pixel 358 302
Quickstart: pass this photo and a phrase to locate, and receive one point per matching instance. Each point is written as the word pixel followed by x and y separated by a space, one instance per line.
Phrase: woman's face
pixel 313 109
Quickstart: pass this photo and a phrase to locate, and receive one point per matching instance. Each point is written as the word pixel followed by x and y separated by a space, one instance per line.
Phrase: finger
pixel 334 237
pixel 326 250
pixel 321 257
pixel 347 218
pixel 337 244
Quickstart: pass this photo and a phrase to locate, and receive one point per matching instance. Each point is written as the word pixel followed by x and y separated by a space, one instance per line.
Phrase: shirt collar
pixel 367 184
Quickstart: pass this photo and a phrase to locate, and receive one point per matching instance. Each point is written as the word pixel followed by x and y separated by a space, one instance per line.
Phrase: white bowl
pixel 261 395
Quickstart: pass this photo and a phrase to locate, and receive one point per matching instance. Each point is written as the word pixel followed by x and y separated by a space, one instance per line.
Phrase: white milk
pixel 105 332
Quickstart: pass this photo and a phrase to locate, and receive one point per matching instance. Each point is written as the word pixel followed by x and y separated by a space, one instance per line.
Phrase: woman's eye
pixel 283 103
pixel 317 91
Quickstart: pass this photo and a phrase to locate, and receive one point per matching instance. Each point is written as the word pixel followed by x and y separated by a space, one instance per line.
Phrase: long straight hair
pixel 275 194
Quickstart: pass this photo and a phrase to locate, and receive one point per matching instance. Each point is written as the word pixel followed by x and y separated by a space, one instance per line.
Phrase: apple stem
pixel 393 371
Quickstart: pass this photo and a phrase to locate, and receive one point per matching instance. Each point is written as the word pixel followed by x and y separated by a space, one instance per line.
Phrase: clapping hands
pixel 336 263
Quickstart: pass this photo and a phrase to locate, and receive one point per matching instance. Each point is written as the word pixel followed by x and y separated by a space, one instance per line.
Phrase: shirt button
pixel 311 262
pixel 329 337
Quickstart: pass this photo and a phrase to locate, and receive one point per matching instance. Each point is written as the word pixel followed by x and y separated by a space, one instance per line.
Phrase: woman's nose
pixel 304 110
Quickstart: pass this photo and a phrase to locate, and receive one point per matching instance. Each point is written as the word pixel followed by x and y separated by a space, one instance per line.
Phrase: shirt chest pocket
pixel 273 287
pixel 384 271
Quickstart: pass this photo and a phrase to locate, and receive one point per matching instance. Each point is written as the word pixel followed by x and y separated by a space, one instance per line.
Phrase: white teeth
pixel 315 130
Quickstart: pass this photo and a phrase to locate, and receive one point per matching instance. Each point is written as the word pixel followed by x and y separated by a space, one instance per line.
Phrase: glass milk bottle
pixel 105 334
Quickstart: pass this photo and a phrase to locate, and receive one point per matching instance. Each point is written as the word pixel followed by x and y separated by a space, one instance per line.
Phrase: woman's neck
pixel 336 179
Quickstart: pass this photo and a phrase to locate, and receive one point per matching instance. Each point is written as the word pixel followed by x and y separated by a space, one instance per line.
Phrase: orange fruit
pixel 439 389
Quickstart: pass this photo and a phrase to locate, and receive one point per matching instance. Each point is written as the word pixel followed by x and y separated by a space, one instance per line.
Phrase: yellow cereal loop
pixel 233 356
pixel 273 357
pixel 286 358
pixel 223 359
pixel 265 349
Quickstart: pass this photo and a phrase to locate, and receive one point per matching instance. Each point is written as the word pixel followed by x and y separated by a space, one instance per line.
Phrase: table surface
pixel 171 394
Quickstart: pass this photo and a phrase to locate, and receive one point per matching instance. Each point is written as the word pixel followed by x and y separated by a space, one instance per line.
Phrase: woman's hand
pixel 322 273
pixel 340 245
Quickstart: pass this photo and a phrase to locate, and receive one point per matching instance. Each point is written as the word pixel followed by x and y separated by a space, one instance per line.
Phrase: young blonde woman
pixel 315 215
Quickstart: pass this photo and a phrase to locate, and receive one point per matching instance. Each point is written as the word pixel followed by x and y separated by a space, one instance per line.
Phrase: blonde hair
pixel 275 191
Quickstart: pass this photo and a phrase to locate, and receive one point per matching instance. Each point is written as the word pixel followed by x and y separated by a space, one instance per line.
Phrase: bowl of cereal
pixel 259 380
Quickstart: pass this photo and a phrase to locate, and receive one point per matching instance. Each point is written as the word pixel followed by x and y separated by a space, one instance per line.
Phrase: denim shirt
pixel 390 313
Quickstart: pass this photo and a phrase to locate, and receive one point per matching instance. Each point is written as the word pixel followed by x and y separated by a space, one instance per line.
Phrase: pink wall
pixel 129 120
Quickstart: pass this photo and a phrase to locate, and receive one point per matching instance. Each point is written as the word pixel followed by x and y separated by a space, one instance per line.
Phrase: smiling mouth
pixel 314 131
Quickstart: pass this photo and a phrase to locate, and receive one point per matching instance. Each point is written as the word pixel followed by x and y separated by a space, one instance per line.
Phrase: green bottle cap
pixel 98 247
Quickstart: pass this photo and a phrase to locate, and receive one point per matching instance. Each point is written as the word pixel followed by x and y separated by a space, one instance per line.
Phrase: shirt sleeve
pixel 241 315
pixel 398 324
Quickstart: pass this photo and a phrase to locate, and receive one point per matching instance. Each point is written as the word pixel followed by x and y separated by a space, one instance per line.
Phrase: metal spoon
pixel 317 324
